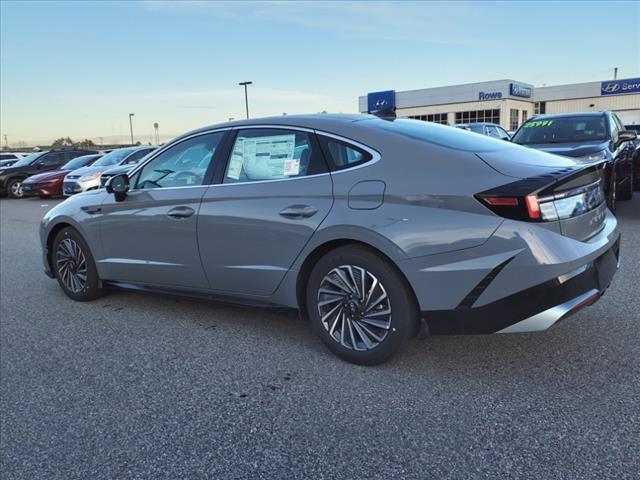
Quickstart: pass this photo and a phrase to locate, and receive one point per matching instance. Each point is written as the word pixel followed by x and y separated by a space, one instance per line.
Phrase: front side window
pixel 53 159
pixel 272 154
pixel 183 165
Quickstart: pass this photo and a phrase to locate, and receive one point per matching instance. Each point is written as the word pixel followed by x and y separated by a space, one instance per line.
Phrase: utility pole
pixel 246 98
pixel 131 126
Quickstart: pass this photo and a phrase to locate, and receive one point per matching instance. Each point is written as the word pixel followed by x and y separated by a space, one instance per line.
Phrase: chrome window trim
pixel 375 155
pixel 162 149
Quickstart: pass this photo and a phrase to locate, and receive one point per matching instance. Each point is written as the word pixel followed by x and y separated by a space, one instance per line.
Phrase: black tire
pixel 381 343
pixel 14 188
pixel 627 192
pixel 85 291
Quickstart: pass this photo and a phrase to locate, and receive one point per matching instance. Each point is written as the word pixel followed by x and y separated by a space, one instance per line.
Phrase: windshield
pixel 80 162
pixel 28 160
pixel 562 130
pixel 113 158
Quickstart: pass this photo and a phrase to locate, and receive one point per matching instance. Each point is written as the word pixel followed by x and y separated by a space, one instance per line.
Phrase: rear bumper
pixel 535 308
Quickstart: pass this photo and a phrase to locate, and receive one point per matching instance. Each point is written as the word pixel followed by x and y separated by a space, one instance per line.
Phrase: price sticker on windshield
pixel 538 123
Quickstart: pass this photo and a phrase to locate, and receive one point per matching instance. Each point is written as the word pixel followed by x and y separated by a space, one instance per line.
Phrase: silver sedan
pixel 373 229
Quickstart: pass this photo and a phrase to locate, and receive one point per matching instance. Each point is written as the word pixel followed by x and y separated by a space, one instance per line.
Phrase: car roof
pixel 565 115
pixel 322 121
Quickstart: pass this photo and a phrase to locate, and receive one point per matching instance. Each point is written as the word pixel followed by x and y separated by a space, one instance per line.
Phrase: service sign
pixel 619 87
pixel 380 101
pixel 519 90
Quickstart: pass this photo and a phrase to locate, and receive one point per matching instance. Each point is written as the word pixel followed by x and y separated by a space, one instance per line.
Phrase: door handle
pixel 180 212
pixel 299 211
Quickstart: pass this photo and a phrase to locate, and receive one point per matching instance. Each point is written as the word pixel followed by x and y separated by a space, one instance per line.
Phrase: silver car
pixel 88 178
pixel 373 229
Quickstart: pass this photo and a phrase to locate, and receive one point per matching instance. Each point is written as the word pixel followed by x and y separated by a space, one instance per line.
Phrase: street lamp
pixel 246 99
pixel 131 126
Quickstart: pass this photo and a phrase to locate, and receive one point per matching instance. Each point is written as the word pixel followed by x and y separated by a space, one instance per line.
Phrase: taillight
pixel 545 205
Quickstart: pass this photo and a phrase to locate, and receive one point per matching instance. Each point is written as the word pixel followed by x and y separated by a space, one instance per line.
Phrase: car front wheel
pixel 74 266
pixel 14 188
pixel 360 305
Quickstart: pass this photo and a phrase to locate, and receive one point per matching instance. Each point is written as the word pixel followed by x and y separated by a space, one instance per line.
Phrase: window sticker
pixel 265 158
pixel 292 167
pixel 538 123
pixel 235 164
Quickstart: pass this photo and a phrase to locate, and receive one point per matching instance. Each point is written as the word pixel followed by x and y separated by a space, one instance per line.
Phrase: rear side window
pixel 7 157
pixel 273 154
pixel 343 155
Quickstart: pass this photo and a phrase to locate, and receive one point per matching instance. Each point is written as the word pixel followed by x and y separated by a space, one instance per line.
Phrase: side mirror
pixel 119 186
pixel 626 136
pixel 39 165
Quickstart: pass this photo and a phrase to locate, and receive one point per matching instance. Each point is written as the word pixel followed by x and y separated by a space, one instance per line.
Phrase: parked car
pixel 49 184
pixel 88 178
pixel 636 156
pixel 588 138
pixel 11 178
pixel 485 128
pixel 9 158
pixel 372 228
pixel 113 171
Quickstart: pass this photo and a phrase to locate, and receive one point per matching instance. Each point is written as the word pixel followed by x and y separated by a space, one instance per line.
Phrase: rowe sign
pixel 489 95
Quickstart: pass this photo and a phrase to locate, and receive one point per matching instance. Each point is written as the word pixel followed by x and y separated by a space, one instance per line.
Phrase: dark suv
pixel 590 137
pixel 11 178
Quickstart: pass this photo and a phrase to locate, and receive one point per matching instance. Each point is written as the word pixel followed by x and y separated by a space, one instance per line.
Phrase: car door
pixel 151 236
pixel 271 196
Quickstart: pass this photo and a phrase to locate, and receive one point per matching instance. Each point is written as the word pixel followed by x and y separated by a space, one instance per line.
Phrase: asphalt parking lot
pixel 141 386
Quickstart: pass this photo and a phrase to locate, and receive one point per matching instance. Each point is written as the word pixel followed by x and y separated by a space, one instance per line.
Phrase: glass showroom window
pixel 525 115
pixel 513 119
pixel 440 118
pixel 491 116
pixel 539 108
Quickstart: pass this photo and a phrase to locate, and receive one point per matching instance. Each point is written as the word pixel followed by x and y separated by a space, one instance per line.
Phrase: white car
pixel 88 178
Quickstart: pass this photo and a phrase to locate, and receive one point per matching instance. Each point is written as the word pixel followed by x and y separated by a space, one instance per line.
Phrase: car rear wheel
pixel 360 305
pixel 14 188
pixel 74 266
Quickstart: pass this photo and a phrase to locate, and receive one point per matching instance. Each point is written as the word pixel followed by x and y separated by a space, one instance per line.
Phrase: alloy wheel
pixel 354 307
pixel 72 265
pixel 16 189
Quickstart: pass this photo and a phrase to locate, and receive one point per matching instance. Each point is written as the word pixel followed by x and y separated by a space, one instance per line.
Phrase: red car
pixel 49 184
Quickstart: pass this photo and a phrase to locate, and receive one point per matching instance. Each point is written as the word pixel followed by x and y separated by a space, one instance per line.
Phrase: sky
pixel 79 68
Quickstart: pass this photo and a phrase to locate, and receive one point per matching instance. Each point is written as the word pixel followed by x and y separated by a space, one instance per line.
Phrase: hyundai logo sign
pixel 619 87
pixel 519 90
pixel 379 101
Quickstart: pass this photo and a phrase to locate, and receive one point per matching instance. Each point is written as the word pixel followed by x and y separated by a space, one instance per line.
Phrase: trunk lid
pixel 568 193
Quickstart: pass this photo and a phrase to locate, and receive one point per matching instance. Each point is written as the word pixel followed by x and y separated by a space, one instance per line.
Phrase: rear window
pixel 562 130
pixel 343 155
pixel 442 135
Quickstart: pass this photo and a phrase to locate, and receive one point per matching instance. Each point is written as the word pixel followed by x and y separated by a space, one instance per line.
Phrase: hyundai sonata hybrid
pixel 373 229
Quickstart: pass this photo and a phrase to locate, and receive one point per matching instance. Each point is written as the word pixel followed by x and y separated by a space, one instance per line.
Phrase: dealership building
pixel 508 103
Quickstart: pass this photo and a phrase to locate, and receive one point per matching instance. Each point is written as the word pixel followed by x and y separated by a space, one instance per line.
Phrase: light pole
pixel 246 99
pixel 131 126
